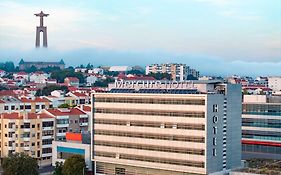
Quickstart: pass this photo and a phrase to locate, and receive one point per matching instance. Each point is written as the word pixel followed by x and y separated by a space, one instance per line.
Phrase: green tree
pixel 60 75
pixel 19 164
pixel 65 105
pixel 49 88
pixel 58 168
pixel 89 66
pixel 7 66
pixel 161 76
pixel 74 165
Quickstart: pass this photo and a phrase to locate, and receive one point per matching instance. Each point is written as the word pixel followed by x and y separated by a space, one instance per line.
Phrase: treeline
pixel 8 66
pixel 48 89
pixel 60 75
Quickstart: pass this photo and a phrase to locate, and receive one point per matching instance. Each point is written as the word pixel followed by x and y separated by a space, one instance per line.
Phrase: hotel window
pixel 215 108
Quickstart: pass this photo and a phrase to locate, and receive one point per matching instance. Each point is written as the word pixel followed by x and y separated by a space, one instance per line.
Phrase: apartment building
pixel 29 133
pixel 27 105
pixel 167 129
pixel 274 82
pixel 68 120
pixel 261 127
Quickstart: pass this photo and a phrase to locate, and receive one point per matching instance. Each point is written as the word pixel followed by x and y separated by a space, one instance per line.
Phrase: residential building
pixel 96 71
pixel 120 68
pixel 167 128
pixel 261 127
pixel 29 133
pixel 71 81
pixel 91 79
pixel 75 144
pixel 274 83
pixel 178 72
pixel 39 77
pixel 23 65
pixel 68 120
pixel 2 73
pixel 78 97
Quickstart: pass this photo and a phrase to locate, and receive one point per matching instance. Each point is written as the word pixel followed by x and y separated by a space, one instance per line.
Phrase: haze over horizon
pixel 217 37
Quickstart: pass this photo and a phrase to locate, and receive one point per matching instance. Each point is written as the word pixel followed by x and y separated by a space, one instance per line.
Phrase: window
pixel 37 107
pixel 27 106
pixel 38 126
pixel 38 135
pixel 215 108
pixel 215 119
pixel 21 107
pixel 38 143
pixel 43 106
pixel 33 134
pixel 21 145
pixel 33 144
pixel 6 108
pixel 120 171
pixel 33 126
pixel 12 107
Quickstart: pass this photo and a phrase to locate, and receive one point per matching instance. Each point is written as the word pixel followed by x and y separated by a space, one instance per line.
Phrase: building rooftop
pixel 65 111
pixel 17 115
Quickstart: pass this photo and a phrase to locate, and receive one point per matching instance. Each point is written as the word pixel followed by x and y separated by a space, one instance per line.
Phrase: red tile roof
pixel 85 108
pixel 71 111
pixel 37 99
pixel 78 94
pixel 17 115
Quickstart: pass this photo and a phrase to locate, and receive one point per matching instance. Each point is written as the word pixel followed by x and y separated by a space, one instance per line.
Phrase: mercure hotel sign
pixel 152 84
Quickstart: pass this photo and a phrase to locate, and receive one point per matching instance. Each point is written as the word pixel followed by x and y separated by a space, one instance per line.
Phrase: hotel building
pixel 261 127
pixel 29 133
pixel 168 130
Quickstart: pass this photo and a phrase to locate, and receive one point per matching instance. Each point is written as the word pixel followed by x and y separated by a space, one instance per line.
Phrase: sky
pixel 217 37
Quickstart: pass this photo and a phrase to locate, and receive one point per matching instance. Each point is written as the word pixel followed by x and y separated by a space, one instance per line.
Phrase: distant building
pixel 23 65
pixel 120 68
pixel 2 73
pixel 178 72
pixel 71 81
pixel 261 127
pixel 275 83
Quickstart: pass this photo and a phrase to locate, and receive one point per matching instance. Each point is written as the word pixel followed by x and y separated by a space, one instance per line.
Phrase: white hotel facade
pixel 167 131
